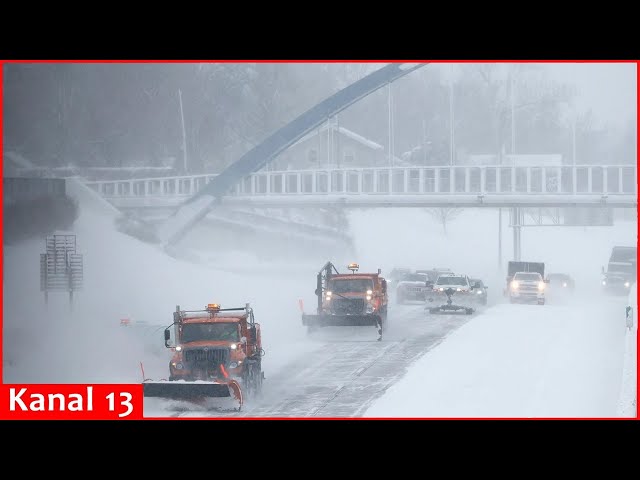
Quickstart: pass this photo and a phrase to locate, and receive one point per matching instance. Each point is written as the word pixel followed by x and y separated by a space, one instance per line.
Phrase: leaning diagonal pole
pixel 196 207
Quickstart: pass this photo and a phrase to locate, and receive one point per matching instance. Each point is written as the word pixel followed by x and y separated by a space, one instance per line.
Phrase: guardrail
pixel 484 180
pixel 15 189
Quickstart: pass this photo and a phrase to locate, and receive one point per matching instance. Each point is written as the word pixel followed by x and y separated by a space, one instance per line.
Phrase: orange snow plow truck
pixel 217 355
pixel 349 299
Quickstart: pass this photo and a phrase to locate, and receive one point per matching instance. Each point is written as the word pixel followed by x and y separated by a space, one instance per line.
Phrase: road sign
pixel 61 267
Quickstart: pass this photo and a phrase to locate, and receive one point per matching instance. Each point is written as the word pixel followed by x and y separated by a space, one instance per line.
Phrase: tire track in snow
pixel 345 375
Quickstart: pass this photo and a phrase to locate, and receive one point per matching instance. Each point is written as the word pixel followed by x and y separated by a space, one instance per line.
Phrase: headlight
pixel 178 348
pixel 541 286
pixel 327 298
pixel 441 289
pixel 233 346
pixel 564 284
pixel 515 285
pixel 368 297
pixel 627 284
pixel 369 292
pixel 604 282
pixel 178 365
pixel 479 292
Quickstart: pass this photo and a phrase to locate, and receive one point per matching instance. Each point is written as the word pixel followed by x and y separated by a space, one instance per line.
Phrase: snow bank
pixel 628 404
pixel 518 361
pixel 89 199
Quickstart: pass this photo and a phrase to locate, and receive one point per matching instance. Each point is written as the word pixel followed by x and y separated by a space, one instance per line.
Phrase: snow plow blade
pixel 194 391
pixel 341 320
pixel 446 309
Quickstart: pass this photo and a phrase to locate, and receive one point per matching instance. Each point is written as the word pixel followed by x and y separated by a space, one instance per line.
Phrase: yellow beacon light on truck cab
pixel 353 267
pixel 213 307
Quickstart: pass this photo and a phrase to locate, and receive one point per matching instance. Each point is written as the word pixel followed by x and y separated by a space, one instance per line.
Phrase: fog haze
pixel 108 122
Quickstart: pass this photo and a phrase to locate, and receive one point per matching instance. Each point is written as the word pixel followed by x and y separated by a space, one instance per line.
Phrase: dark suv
pixel 479 291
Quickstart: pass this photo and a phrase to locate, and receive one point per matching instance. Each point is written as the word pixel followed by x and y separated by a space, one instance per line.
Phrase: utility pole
pixel 338 140
pixel 184 134
pixel 393 129
pixel 513 114
pixel 573 140
pixel 329 157
pixel 451 119
pixel 516 210
pixel 424 141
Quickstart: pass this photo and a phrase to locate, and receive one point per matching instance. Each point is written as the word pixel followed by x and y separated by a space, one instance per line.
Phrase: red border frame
pixel 3 62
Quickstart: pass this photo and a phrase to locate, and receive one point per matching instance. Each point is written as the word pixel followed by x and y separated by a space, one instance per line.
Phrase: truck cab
pixel 348 299
pixel 354 294
pixel 214 343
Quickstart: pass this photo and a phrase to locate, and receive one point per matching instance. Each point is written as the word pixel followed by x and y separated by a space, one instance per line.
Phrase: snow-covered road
pixel 344 371
pixel 562 360
pixel 557 360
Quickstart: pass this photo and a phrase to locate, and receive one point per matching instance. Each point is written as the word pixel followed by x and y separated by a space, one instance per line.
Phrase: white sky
pixel 609 89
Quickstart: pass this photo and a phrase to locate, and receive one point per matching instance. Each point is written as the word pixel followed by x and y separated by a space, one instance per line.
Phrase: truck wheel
pixel 253 381
pixel 468 311
pixel 258 377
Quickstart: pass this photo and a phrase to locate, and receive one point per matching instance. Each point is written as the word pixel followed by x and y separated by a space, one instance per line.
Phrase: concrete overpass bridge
pixel 444 186
pixel 497 186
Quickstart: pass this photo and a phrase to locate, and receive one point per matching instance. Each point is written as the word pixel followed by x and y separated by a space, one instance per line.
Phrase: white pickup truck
pixel 527 287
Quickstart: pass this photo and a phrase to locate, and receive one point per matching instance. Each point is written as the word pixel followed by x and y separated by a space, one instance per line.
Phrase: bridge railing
pixel 150 187
pixel 445 180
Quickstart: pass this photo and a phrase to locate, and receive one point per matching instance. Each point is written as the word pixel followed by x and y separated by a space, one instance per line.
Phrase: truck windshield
pixel 198 332
pixel 622 268
pixel 350 285
pixel 528 277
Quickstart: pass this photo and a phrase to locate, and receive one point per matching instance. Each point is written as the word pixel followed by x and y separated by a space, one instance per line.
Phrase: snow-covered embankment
pixel 628 404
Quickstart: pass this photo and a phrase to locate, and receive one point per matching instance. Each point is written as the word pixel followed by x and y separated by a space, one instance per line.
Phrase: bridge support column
pixel 515 215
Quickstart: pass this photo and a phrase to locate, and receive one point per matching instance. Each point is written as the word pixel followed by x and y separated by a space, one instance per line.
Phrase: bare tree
pixel 444 215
